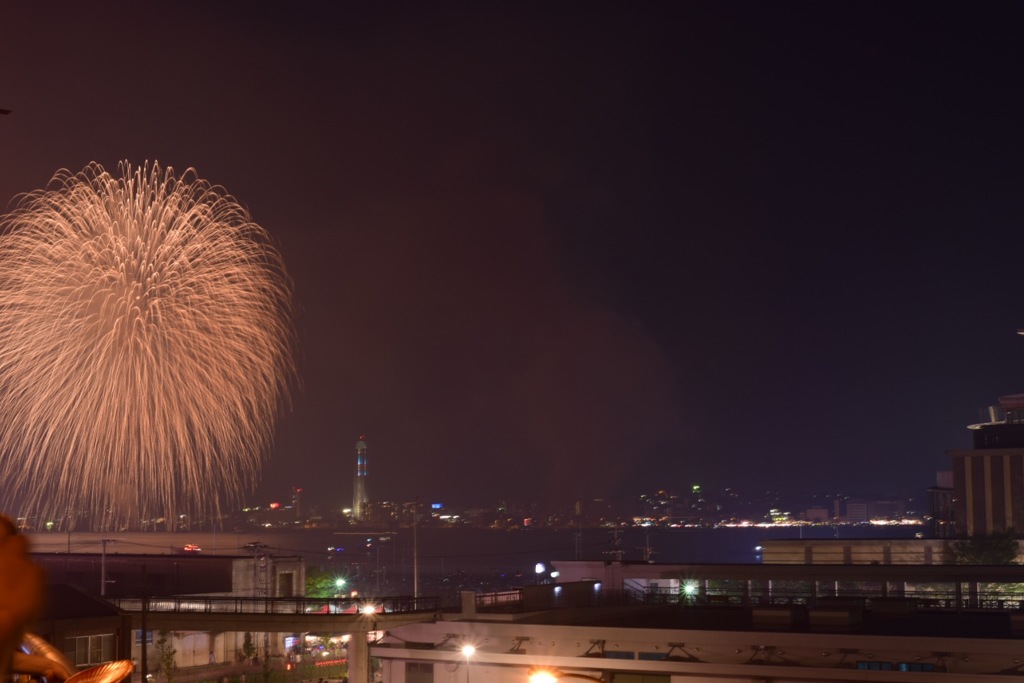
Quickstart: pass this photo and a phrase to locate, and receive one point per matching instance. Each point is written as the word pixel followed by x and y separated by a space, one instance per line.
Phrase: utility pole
pixel 415 550
pixel 259 568
pixel 616 551
pixel 103 564
pixel 143 654
pixel 259 586
pixel 648 550
pixel 67 527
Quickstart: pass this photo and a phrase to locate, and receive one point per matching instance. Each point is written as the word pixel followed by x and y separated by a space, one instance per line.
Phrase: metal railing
pixel 307 606
pixel 514 600
pixel 923 600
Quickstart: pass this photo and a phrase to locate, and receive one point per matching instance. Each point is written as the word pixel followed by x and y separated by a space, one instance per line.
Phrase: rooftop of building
pixel 694 636
pixel 896 618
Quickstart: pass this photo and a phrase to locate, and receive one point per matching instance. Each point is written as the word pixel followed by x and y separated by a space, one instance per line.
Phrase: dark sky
pixel 557 250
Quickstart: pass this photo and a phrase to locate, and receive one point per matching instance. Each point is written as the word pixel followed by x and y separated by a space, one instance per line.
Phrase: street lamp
pixel 541 675
pixel 467 652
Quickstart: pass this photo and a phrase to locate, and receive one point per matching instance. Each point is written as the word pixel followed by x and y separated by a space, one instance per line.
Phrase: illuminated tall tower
pixel 359 499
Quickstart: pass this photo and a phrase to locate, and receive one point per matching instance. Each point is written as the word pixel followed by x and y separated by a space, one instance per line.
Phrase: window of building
pixel 639 678
pixel 87 651
pixel 419 672
pixel 874 666
pixel 286 585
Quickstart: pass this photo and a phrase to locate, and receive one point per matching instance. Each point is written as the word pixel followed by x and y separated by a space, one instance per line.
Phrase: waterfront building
pixel 857 512
pixel 816 514
pixel 988 479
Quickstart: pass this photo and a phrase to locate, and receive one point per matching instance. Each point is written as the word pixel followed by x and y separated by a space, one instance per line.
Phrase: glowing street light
pixel 467 652
pixel 542 675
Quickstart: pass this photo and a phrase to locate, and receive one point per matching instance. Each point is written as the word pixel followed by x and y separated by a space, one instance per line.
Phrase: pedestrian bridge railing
pixel 307 606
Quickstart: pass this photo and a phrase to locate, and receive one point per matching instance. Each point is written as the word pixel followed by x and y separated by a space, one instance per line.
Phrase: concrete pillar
pixel 972 595
pixel 468 604
pixel 359 657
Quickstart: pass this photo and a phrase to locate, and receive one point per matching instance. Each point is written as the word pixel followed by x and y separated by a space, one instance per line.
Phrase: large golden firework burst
pixel 145 346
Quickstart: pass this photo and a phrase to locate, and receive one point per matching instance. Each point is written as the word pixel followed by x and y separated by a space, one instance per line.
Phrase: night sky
pixel 544 251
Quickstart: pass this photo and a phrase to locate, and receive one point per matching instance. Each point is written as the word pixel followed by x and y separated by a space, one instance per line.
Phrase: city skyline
pixel 558 252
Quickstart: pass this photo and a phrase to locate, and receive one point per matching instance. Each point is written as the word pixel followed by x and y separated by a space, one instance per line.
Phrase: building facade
pixel 988 480
pixel 688 642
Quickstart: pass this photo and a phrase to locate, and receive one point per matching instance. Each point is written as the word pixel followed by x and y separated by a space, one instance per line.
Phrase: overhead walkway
pixel 201 613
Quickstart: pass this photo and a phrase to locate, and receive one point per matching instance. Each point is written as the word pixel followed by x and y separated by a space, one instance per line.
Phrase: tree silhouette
pixel 995 548
pixel 165 656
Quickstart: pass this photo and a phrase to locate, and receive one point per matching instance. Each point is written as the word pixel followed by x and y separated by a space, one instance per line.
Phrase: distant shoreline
pixel 470 547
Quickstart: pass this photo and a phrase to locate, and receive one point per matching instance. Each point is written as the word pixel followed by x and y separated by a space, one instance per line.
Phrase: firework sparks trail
pixel 145 346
